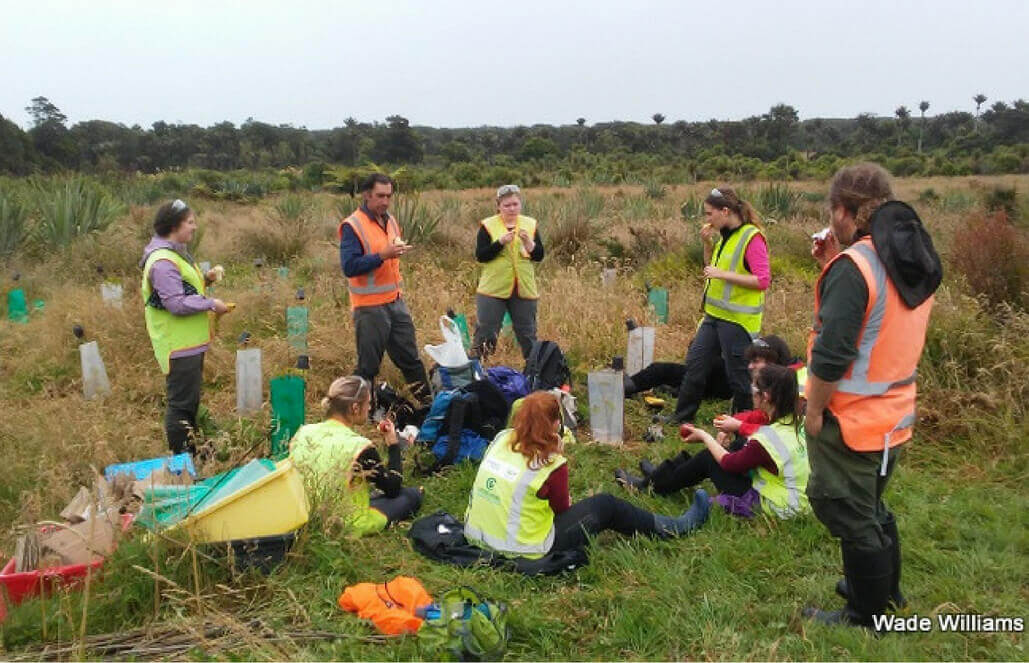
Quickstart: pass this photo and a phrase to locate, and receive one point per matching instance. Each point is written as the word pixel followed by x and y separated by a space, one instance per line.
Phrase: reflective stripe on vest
pixel 793 471
pixel 170 333
pixel 364 291
pixel 874 402
pixel 504 512
pixel 371 288
pixel 722 299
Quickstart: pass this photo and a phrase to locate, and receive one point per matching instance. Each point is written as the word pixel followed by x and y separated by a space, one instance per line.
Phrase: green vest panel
pixel 727 301
pixel 783 495
pixel 504 513
pixel 325 453
pixel 168 332
pixel 512 267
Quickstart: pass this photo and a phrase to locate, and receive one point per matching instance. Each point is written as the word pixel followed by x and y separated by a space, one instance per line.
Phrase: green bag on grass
pixel 467 628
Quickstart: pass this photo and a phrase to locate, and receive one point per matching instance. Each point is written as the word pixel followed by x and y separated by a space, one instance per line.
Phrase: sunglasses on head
pixel 507 190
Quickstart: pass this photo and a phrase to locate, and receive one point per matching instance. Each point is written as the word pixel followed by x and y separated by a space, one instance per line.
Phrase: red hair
pixel 535 437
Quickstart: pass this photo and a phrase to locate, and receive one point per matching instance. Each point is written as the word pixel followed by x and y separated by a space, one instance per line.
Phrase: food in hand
pixel 230 306
pixel 397 241
pixel 385 425
pixel 821 235
pixel 218 272
pixel 685 430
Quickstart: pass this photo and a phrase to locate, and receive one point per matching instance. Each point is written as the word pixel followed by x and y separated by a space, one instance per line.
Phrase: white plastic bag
pixel 450 353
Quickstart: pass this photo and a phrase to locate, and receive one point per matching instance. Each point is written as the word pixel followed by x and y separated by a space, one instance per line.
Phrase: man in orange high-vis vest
pixel 872 305
pixel 370 250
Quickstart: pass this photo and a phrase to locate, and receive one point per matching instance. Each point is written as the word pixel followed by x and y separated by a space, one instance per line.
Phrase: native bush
pixel 777 200
pixel 70 208
pixel 13 222
pixel 1002 199
pixel 418 222
pixel 654 189
pixel 993 256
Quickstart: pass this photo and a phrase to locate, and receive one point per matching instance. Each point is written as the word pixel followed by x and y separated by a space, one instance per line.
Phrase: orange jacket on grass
pixel 388 605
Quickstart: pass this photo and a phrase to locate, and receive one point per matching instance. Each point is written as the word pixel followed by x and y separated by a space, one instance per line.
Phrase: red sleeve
pixel 750 456
pixel 750 421
pixel 757 261
pixel 555 489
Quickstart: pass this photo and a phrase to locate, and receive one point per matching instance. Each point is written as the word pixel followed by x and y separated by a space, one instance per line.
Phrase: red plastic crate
pixel 16 587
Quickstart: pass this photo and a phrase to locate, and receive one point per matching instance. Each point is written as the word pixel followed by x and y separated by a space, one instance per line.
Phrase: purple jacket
pixel 166 281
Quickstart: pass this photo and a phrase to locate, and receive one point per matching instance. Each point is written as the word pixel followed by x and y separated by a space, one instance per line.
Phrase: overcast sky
pixel 457 64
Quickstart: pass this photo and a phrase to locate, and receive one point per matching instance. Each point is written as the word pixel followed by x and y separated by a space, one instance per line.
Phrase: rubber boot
pixel 897 600
pixel 647 468
pixel 692 519
pixel 870 575
pixel 629 481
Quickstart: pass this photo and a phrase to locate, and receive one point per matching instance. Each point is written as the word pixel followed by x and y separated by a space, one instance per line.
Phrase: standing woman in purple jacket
pixel 175 307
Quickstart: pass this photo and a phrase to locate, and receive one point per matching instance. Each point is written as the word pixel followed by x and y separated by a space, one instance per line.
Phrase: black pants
pixel 670 374
pixel 489 316
pixel 715 338
pixel 572 528
pixel 685 470
pixel 398 508
pixel 388 328
pixel 183 382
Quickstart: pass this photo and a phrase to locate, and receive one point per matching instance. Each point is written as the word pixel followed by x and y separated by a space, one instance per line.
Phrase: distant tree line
pixel 775 145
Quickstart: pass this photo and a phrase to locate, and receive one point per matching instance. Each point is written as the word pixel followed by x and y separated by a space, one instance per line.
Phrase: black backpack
pixel 546 367
pixel 479 407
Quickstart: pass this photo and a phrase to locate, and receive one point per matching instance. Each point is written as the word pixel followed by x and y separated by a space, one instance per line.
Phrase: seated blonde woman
pixel 340 464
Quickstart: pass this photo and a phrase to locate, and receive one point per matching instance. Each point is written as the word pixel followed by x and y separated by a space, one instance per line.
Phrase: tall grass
pixel 418 221
pixel 72 208
pixel 13 222
pixel 778 201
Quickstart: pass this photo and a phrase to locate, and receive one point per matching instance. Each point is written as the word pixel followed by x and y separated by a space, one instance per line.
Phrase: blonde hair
pixel 860 189
pixel 343 393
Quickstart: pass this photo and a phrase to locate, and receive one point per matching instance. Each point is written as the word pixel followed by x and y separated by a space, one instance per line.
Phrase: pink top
pixel 757 261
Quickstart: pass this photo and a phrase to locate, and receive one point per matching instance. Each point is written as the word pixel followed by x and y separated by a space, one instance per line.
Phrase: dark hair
pixel 169 216
pixel 725 197
pixel 779 383
pixel 771 348
pixel 368 183
pixel 534 435
pixel 860 189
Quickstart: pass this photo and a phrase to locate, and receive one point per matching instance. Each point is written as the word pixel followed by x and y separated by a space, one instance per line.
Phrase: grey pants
pixel 489 312
pixel 183 382
pixel 389 328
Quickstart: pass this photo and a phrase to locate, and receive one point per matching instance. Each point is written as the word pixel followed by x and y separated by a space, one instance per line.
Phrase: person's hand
pixel 724 439
pixel 712 272
pixel 506 238
pixel 708 233
pixel 394 251
pixel 727 424
pixel 813 423
pixel 389 432
pixel 824 250
pixel 691 433
pixel 527 242
pixel 214 274
pixel 219 307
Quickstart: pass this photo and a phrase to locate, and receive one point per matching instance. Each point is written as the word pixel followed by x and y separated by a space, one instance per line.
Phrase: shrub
pixel 692 208
pixel 1002 199
pixel 418 223
pixel 993 256
pixel 71 208
pixel 13 217
pixel 654 189
pixel 777 200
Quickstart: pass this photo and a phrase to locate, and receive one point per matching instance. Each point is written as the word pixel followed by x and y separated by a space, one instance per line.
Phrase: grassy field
pixel 734 590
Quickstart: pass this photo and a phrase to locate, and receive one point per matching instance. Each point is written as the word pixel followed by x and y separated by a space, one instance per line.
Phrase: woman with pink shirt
pixel 737 274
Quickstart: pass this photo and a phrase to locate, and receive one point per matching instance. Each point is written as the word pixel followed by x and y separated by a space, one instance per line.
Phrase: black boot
pixel 897 600
pixel 869 574
pixel 629 481
pixel 647 468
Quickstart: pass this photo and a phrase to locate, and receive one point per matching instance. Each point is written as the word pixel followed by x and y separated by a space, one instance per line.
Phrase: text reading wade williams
pixel 959 623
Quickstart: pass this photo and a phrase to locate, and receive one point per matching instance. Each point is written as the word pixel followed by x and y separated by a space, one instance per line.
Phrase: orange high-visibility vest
pixel 383 284
pixel 875 400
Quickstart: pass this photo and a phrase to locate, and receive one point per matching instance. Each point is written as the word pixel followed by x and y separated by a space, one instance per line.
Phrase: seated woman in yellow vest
pixel 520 504
pixel 737 274
pixel 339 464
pixel 175 308
pixel 507 246
pixel 768 474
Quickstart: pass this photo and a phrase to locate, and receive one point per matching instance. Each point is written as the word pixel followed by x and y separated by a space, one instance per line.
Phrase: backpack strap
pixel 547 350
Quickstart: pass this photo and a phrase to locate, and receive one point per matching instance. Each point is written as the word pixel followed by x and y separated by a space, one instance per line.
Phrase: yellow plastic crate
pixel 272 505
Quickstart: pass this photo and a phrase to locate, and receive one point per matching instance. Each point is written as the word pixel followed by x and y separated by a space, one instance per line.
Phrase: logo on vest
pixel 491 483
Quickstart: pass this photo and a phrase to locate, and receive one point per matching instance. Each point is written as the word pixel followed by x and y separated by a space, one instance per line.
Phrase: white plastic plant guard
pixel 248 381
pixel 639 352
pixel 94 375
pixel 608 276
pixel 450 353
pixel 607 406
pixel 111 293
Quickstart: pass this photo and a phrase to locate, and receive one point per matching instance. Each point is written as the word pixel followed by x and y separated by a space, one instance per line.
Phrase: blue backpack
pixel 432 427
pixel 511 383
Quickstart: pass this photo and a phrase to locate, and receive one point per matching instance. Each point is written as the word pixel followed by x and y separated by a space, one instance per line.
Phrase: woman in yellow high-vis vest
pixel 340 466
pixel 507 245
pixel 736 275
pixel 176 307
pixel 520 504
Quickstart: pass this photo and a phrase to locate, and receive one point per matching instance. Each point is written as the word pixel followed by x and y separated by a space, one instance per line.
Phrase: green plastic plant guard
pixel 17 308
pixel 462 324
pixel 283 272
pixel 657 298
pixel 287 412
pixel 296 328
